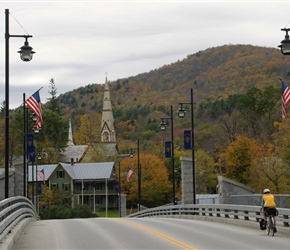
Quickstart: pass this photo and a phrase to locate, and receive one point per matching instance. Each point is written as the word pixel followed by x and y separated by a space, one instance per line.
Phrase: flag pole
pixel 82 192
pixel 94 198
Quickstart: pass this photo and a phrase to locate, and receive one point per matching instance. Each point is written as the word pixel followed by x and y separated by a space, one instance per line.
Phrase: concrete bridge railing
pixel 12 211
pixel 237 212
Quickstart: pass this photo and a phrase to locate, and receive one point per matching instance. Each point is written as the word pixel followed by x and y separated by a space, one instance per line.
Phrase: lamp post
pixel 162 126
pixel 120 202
pixel 181 113
pixel 25 55
pixel 285 44
pixel 139 172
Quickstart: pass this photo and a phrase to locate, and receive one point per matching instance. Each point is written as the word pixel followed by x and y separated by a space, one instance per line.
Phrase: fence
pixel 13 210
pixel 238 212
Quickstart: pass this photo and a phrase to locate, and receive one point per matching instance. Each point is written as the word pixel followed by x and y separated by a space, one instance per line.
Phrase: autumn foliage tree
pixel 155 187
pixel 239 159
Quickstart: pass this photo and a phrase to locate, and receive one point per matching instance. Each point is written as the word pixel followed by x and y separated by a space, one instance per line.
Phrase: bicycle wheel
pixel 268 226
pixel 272 226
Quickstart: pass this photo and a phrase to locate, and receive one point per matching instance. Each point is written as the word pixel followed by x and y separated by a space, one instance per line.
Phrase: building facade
pixel 92 184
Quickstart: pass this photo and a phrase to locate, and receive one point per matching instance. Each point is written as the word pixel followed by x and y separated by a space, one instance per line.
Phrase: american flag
pixel 41 175
pixel 34 103
pixel 285 99
pixel 129 173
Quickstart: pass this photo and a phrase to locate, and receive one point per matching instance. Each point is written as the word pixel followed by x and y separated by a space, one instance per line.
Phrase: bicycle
pixel 270 228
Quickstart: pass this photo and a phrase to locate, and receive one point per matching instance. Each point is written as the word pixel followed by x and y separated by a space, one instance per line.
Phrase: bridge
pixel 165 227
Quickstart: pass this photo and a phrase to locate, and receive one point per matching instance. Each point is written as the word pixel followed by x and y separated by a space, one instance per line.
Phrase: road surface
pixel 144 233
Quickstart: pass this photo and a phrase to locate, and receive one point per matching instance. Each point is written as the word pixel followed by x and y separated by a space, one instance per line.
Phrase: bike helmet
pixel 266 190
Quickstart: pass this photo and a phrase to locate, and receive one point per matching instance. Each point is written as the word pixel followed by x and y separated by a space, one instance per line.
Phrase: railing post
pixel 246 217
pixel 286 224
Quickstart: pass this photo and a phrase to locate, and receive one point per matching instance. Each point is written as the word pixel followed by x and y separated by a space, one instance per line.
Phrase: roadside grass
pixel 114 213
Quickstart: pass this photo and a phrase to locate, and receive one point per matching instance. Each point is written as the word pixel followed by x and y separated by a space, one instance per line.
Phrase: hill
pixel 218 72
pixel 215 73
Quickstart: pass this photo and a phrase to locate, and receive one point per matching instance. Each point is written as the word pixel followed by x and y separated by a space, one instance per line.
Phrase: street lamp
pixel 25 55
pixel 162 126
pixel 285 44
pixel 139 172
pixel 181 113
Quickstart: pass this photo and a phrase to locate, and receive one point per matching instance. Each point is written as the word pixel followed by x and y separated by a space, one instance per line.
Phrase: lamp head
pixel 181 112
pixel 131 153
pixel 36 130
pixel 34 118
pixel 26 52
pixel 162 125
pixel 285 44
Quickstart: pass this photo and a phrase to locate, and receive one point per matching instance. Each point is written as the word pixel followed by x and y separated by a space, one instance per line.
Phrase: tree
pixel 258 110
pixel 239 159
pixel 88 130
pixel 51 197
pixel 53 101
pixel 53 136
pixel 274 174
pixel 206 176
pixel 155 187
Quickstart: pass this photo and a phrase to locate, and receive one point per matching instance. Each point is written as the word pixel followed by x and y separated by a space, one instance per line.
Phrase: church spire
pixel 107 127
pixel 70 135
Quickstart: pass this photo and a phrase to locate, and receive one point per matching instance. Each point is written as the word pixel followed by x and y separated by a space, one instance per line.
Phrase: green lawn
pixel 115 213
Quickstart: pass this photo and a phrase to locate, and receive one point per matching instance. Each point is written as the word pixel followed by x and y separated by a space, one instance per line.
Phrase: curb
pixel 10 238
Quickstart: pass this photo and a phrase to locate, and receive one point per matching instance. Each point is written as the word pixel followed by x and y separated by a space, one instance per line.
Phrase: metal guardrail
pixel 12 211
pixel 247 213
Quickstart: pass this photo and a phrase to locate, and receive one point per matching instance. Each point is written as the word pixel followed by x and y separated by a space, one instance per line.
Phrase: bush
pixel 82 211
pixel 63 212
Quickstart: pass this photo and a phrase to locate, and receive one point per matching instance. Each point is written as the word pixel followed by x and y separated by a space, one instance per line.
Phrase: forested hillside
pixel 214 74
pixel 217 72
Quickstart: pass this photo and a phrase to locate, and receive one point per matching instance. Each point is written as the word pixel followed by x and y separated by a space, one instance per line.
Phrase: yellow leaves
pixel 88 129
pixel 154 179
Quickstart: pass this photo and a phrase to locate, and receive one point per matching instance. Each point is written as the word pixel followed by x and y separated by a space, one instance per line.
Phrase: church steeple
pixel 107 127
pixel 70 135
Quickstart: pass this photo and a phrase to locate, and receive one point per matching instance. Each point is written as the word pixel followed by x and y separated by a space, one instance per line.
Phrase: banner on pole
pixel 30 147
pixel 187 139
pixel 168 149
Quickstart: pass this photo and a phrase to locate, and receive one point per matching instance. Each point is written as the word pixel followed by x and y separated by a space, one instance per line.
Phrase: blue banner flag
pixel 39 191
pixel 187 139
pixel 30 147
pixel 168 149
pixel 116 184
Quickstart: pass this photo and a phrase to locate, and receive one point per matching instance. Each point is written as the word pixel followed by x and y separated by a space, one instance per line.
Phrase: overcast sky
pixel 77 42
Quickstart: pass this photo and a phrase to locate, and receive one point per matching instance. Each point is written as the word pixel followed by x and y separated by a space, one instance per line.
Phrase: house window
pixel 54 186
pixel 60 174
pixel 66 187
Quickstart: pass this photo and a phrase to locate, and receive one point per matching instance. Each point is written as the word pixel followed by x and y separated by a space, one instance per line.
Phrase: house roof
pixel 89 171
pixel 72 151
pixel 78 171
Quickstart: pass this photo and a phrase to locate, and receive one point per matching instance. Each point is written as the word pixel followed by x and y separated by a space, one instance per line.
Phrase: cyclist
pixel 268 202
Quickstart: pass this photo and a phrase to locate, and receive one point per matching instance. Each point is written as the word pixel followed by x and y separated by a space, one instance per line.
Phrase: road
pixel 145 233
